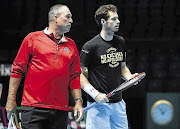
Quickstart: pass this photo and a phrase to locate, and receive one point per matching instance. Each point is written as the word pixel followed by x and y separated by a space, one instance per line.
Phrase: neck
pixel 57 34
pixel 107 36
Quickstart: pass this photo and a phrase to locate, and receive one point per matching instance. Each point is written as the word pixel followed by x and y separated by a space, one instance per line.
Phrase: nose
pixel 118 21
pixel 71 20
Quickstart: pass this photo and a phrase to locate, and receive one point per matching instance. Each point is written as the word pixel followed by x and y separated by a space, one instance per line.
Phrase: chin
pixel 67 30
pixel 115 31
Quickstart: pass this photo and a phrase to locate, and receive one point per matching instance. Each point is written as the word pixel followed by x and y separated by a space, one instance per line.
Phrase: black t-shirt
pixel 103 60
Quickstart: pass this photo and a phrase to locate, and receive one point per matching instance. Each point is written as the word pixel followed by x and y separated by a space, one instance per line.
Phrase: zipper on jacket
pixel 56 51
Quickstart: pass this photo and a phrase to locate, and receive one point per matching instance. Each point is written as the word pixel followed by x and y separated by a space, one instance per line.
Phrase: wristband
pixel 91 91
pixel 79 99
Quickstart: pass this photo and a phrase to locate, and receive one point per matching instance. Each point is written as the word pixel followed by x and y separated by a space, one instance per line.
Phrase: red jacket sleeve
pixel 75 72
pixel 21 61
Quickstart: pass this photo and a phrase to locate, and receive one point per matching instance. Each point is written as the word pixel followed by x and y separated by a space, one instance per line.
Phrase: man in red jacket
pixel 51 63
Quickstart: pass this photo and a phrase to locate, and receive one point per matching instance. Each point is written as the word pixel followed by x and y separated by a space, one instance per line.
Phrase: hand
pixel 101 98
pixel 133 75
pixel 10 107
pixel 78 111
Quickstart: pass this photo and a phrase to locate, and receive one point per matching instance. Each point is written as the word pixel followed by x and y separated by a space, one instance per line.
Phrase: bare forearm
pixel 76 93
pixel 84 81
pixel 126 72
pixel 13 87
pixel 89 89
pixel 78 105
pixel 11 100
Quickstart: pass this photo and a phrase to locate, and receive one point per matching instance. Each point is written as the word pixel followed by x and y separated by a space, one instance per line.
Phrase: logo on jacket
pixel 85 51
pixel 67 49
pixel 112 57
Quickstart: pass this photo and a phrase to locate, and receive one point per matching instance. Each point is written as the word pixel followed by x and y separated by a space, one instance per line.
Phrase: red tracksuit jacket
pixel 50 68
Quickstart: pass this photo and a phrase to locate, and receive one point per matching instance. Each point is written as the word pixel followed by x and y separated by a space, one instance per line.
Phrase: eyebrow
pixel 68 15
pixel 115 17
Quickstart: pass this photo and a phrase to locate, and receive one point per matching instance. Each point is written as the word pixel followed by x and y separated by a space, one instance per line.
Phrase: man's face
pixel 64 20
pixel 112 23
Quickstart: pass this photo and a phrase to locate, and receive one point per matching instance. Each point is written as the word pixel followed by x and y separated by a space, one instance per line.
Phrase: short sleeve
pixel 86 55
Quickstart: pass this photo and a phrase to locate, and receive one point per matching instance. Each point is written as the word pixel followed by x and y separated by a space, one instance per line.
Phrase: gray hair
pixel 55 11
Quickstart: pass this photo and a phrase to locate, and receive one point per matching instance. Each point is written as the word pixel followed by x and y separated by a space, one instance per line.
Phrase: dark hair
pixel 102 13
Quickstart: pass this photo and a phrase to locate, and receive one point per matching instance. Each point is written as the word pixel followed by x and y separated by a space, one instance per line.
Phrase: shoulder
pixel 69 40
pixel 34 35
pixel 31 36
pixel 93 41
pixel 119 38
pixel 71 44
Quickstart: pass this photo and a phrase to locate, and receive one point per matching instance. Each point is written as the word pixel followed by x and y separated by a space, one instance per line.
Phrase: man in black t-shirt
pixel 104 56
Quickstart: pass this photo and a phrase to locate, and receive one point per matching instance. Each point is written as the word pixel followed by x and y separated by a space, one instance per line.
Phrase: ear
pixel 103 21
pixel 55 18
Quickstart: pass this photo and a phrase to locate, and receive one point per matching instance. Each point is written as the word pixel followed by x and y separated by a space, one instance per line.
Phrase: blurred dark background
pixel 151 29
